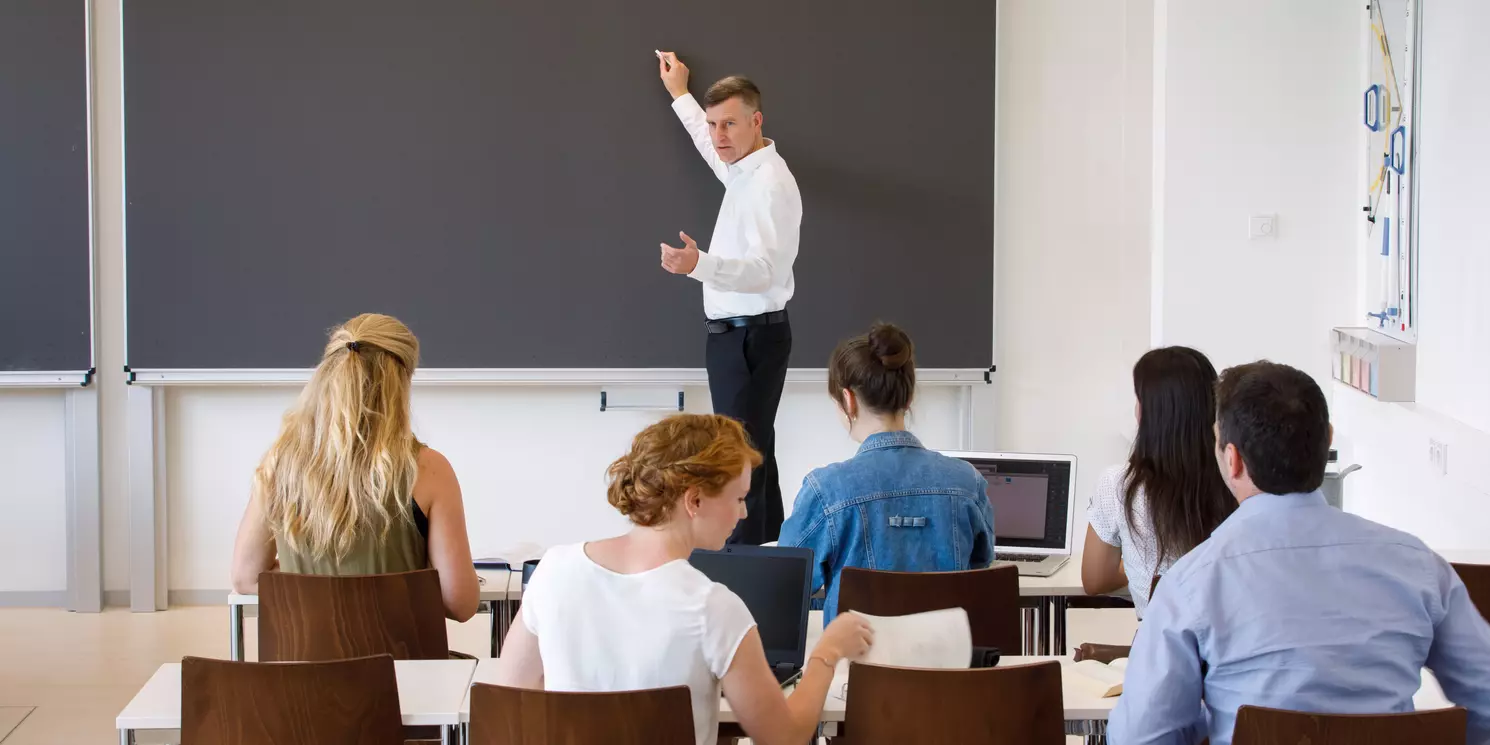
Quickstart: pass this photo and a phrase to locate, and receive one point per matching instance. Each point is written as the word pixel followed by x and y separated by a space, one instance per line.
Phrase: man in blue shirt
pixel 1293 604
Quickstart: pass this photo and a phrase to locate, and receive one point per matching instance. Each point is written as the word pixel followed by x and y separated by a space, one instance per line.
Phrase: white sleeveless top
pixel 602 631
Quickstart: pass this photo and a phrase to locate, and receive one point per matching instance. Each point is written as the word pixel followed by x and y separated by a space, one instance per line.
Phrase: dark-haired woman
pixel 844 511
pixel 1169 496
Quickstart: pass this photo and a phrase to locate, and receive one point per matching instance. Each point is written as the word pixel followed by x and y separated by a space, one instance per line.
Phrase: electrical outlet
pixel 1438 457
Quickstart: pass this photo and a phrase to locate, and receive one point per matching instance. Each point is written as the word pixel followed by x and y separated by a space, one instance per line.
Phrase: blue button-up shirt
pixel 1293 604
pixel 895 506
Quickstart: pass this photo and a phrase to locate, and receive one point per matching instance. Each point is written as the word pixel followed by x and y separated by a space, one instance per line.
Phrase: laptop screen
pixel 1031 498
pixel 776 585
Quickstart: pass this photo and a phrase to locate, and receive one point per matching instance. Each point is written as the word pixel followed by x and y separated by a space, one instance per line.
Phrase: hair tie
pixel 352 345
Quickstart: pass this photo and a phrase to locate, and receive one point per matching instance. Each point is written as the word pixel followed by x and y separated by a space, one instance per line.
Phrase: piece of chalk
pixel 658 53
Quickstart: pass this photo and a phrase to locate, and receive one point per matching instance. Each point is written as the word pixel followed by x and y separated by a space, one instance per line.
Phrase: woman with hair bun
pixel 630 612
pixel 844 511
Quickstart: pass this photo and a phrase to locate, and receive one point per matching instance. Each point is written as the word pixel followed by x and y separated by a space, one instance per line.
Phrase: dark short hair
pixel 730 87
pixel 879 367
pixel 1277 418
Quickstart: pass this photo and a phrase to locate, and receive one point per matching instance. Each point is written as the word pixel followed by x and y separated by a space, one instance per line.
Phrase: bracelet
pixel 820 658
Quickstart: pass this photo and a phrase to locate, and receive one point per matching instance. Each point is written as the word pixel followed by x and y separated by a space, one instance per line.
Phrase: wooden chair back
pixel 517 716
pixel 990 597
pixel 310 618
pixel 346 702
pixel 1476 579
pixel 1256 725
pixel 1020 705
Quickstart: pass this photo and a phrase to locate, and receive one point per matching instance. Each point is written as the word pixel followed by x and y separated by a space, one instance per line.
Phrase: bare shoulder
pixel 436 479
pixel 433 460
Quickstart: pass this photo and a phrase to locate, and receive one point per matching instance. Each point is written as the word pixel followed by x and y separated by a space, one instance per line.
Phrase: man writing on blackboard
pixel 746 273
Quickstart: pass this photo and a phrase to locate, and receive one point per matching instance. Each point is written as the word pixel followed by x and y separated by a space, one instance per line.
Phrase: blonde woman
pixel 347 489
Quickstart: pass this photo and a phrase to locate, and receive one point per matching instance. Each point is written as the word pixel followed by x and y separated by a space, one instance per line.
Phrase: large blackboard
pixel 45 243
pixel 499 174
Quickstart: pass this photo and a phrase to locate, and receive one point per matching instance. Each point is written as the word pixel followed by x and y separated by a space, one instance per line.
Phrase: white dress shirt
pixel 747 269
pixel 601 631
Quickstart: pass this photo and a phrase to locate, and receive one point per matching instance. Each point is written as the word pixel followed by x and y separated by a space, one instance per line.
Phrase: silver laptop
pixel 1031 496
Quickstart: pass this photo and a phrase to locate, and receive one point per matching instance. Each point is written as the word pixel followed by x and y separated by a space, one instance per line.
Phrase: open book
pixel 936 639
pixel 1101 679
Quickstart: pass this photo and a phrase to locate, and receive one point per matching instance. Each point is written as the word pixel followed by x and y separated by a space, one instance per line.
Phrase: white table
pixel 493 601
pixel 430 694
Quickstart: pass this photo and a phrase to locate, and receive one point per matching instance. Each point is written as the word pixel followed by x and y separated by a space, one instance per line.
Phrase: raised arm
pixel 674 76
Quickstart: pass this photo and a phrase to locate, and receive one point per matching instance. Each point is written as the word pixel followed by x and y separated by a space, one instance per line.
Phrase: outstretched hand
pixel 680 260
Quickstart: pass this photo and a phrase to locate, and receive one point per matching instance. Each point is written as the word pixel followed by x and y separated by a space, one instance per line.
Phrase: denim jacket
pixel 894 506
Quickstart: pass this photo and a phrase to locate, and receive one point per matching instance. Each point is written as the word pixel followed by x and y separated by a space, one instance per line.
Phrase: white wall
pixel 33 491
pixel 1259 116
pixel 1397 486
pixel 531 461
pixel 1072 275
pixel 1454 201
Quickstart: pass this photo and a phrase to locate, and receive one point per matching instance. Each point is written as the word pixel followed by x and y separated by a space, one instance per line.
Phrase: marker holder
pixel 1373 363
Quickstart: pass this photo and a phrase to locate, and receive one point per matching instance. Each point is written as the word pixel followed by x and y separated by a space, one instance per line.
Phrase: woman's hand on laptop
pixel 847 638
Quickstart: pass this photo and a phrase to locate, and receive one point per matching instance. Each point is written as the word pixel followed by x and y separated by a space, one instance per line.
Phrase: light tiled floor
pixel 79 670
pixel 11 717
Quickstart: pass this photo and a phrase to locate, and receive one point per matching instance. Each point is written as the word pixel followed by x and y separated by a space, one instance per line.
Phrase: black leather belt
pixel 725 325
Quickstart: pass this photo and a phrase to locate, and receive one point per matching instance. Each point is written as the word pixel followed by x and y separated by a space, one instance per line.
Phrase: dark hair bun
pixel 890 346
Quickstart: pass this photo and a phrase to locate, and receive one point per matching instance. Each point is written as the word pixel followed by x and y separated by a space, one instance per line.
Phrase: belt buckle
pixel 717 327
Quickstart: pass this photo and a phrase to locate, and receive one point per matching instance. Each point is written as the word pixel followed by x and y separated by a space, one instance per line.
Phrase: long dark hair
pixel 1174 454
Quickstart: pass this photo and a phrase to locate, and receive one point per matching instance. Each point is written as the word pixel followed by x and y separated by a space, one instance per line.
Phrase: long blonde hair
pixel 346 445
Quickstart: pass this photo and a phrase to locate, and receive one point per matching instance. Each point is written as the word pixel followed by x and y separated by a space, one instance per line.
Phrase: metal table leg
pixel 1061 605
pixel 235 632
pixel 445 736
pixel 490 607
pixel 126 737
pixel 1092 731
pixel 1028 616
pixel 1042 638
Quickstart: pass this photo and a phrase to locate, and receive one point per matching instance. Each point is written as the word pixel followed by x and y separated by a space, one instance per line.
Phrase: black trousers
pixel 747 371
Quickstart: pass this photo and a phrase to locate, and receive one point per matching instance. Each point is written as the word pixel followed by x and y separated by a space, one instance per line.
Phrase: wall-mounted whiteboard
pixel 1388 116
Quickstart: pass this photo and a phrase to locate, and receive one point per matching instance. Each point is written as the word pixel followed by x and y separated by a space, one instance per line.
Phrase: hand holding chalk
pixel 673 72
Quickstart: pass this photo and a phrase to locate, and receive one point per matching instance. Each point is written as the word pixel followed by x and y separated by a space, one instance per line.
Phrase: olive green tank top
pixel 404 549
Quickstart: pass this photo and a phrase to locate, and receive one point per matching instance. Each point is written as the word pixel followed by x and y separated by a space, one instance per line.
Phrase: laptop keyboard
pixel 1031 558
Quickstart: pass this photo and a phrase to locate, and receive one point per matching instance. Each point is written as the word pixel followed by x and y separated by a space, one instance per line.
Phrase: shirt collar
pixel 1263 503
pixel 884 440
pixel 754 160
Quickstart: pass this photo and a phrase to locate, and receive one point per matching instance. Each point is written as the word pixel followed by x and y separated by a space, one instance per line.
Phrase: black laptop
pixel 776 585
